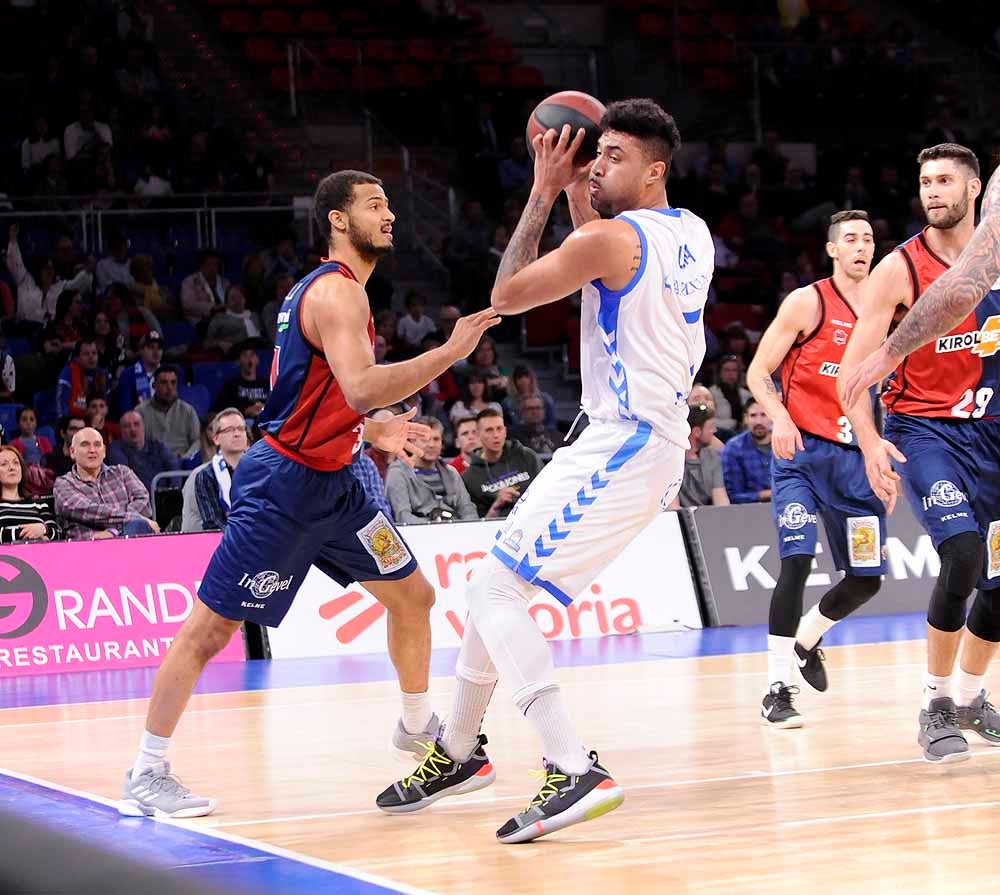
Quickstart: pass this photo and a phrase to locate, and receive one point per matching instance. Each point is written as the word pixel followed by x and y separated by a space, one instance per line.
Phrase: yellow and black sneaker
pixel 437 776
pixel 562 801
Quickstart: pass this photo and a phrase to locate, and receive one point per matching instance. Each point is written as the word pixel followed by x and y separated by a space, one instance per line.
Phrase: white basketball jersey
pixel 641 345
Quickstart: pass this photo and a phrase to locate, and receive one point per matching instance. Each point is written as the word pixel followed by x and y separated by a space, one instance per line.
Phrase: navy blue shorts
pixel 828 481
pixel 286 517
pixel 952 480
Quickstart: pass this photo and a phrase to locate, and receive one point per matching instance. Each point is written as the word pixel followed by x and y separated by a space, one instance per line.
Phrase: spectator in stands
pixel 198 173
pixel 443 389
pixel 114 268
pixel 385 326
pixel 286 261
pixel 37 147
pixel 212 486
pixel 154 183
pixel 233 325
pixel 21 518
pixel 517 169
pixel 134 321
pixel 112 348
pixel 151 295
pixel 97 418
pixel 447 318
pixel 246 391
pixel 82 138
pixel 253 279
pixel 525 383
pixel 204 292
pixel 168 418
pixel 473 398
pixel 746 458
pixel 729 395
pixel 146 457
pixel 30 445
pixel 60 460
pixel 136 382
pixel 253 171
pixel 702 485
pixel 378 457
pixel 701 394
pixel 501 471
pixel 736 340
pixel 269 315
pixel 467 442
pixel 532 431
pixel 484 362
pixel 37 297
pixel 70 319
pixel 8 375
pixel 80 379
pixel 50 184
pixel 430 490
pixel 367 473
pixel 770 159
pixel 137 85
pixel 414 326
pixel 96 501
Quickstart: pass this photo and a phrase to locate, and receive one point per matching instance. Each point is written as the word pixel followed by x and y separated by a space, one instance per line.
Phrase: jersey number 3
pixel 973 404
pixel 846 433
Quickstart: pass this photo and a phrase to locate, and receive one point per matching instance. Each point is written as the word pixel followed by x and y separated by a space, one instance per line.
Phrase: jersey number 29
pixel 973 404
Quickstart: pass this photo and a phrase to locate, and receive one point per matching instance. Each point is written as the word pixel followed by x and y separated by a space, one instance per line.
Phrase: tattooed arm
pixel 945 304
pixel 798 315
pixel 580 209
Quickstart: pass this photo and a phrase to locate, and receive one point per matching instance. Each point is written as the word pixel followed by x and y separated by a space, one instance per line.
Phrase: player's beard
pixel 363 245
pixel 956 214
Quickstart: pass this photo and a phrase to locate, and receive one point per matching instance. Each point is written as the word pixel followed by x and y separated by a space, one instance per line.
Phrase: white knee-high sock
pixel 498 605
pixel 475 680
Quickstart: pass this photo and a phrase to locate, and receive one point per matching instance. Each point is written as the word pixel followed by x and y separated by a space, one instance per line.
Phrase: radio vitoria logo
pixel 23 598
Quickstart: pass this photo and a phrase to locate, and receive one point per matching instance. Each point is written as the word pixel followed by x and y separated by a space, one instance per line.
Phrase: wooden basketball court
pixel 715 802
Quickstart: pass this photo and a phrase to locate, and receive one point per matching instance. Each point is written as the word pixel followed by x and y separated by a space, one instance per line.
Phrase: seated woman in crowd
pixel 473 398
pixel 21 518
pixel 524 384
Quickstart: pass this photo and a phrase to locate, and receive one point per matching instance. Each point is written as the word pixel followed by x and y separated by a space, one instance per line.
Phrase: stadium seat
pixel 178 332
pixel 368 77
pixel 380 51
pixel 316 20
pixel 489 75
pixel 238 21
pixel 340 49
pixel 212 375
pixel 277 21
pixel 197 396
pixel 500 50
pixel 523 77
pixel 653 24
pixel 419 49
pixel 408 76
pixel 263 49
pixel 44 403
pixel 15 346
pixel 281 79
pixel 8 419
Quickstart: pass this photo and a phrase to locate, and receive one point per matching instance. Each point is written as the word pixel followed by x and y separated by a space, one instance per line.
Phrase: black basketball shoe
pixel 811 665
pixel 777 710
pixel 437 776
pixel 563 800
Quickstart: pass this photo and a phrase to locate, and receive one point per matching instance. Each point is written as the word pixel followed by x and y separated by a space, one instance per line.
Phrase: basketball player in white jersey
pixel 645 271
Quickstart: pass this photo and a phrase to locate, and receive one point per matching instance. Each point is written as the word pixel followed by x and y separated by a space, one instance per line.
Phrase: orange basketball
pixel 573 108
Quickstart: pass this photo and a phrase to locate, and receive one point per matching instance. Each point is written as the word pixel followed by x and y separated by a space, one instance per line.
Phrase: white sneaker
pixel 157 793
pixel 408 746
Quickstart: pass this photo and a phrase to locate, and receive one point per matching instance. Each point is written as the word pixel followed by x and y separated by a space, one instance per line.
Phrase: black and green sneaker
pixel 563 800
pixel 981 717
pixel 437 776
pixel 811 665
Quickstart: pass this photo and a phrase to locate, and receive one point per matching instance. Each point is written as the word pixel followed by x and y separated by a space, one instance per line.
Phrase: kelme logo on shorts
pixel 263 584
pixel 944 494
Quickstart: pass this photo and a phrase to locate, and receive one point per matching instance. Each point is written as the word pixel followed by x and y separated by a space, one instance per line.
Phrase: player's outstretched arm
pixel 336 317
pixel 797 316
pixel 949 299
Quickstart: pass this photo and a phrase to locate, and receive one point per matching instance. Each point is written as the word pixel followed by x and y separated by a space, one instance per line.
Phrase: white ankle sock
pixel 966 686
pixel 468 708
pixel 416 711
pixel 779 659
pixel 812 627
pixel 152 749
pixel 549 717
pixel 936 686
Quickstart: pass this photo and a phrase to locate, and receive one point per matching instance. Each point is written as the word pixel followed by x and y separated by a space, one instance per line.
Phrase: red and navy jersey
pixel 955 376
pixel 306 416
pixel 809 370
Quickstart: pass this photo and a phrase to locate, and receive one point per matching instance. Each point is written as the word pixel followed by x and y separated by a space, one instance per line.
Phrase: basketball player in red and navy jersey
pixel 816 469
pixel 941 440
pixel 295 500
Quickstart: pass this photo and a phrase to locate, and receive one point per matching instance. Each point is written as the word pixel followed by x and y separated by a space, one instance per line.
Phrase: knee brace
pixel 961 564
pixel 848 595
pixel 982 620
pixel 786 601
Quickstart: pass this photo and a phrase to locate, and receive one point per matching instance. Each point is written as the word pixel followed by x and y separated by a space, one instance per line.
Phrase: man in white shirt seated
pixel 228 432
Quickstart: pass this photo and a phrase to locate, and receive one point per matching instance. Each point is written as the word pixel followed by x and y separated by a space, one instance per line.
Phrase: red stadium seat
pixel 489 75
pixel 341 49
pixel 368 77
pixel 420 49
pixel 329 80
pixel 263 49
pixel 316 20
pixel 380 51
pixel 238 21
pixel 526 77
pixel 408 76
pixel 500 50
pixel 653 24
pixel 279 79
pixel 277 21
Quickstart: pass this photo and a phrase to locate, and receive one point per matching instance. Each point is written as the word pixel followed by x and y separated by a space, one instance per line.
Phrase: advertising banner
pixel 740 562
pixel 648 585
pixel 93 605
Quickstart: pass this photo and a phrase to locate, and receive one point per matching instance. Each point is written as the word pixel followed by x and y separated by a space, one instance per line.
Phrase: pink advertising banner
pixel 97 605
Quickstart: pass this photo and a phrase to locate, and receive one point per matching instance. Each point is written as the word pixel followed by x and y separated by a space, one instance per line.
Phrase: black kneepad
pixel 961 564
pixel 982 620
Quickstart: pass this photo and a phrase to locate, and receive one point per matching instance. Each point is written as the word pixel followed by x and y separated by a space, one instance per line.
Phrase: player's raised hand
pixel 469 330
pixel 872 369
pixel 555 159
pixel 398 435
pixel 879 455
pixel 785 438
